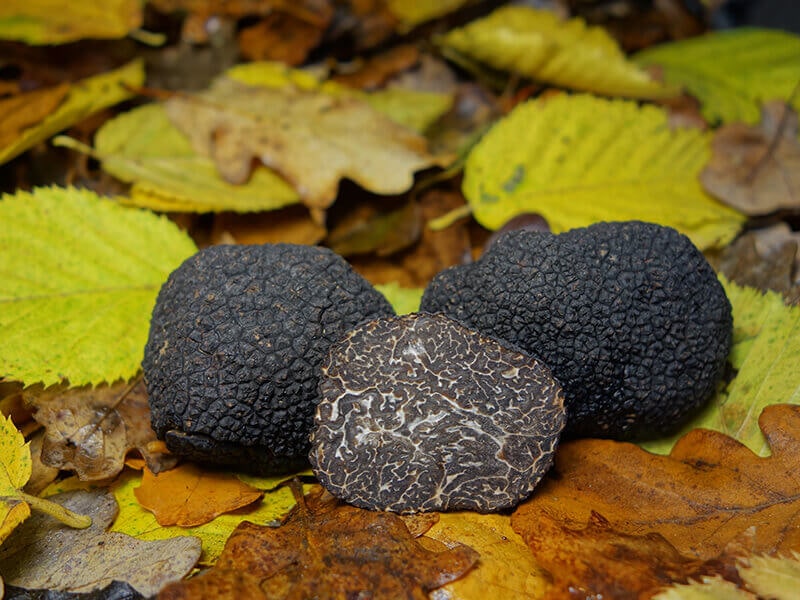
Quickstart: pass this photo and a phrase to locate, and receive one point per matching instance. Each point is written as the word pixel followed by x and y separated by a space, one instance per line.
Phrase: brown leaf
pixel 280 37
pixel 376 71
pixel 290 225
pixel 325 549
pixel 756 170
pixel 657 519
pixel 90 430
pixel 187 496
pixel 25 110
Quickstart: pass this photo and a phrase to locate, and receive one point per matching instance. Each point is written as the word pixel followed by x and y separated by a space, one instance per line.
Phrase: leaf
pixel 80 277
pixel 42 554
pixel 404 300
pixel 83 99
pixel 710 588
pixel 756 170
pixel 61 21
pixel 537 44
pixel 141 523
pixel 772 577
pixel 766 344
pixel 15 470
pixel 312 139
pixel 143 147
pixel 90 430
pixel 709 495
pixel 731 72
pixel 506 569
pixel 414 12
pixel 115 590
pixel 25 110
pixel 577 160
pixel 329 550
pixel 187 496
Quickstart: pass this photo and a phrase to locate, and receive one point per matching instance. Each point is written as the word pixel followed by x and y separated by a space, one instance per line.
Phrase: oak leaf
pixel 187 496
pixel 326 549
pixel 756 170
pixel 676 516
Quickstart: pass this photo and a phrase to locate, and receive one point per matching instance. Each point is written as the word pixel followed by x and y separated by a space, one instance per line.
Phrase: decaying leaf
pixel 413 12
pixel 661 518
pixel 15 470
pixel 42 475
pixel 187 496
pixel 732 71
pixel 89 430
pixel 312 139
pixel 25 110
pixel 281 37
pixel 577 160
pixel 756 170
pixel 116 590
pixel 706 588
pixel 331 550
pixel 536 43
pixel 80 277
pixel 43 554
pixel 290 225
pixel 772 577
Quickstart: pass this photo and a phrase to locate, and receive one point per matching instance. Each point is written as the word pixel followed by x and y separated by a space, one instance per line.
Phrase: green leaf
pixel 403 300
pixel 766 346
pixel 731 72
pixel 84 98
pixel 537 44
pixel 580 159
pixel 80 277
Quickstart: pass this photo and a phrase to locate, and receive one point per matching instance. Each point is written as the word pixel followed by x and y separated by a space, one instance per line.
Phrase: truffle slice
pixel 419 413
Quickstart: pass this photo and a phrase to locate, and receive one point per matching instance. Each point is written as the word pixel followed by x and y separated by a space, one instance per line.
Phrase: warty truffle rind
pixel 629 316
pixel 419 413
pixel 236 339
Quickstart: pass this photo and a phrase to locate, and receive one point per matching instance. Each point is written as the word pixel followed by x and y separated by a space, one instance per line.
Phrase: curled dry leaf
pixel 325 549
pixel 670 516
pixel 90 430
pixel 756 170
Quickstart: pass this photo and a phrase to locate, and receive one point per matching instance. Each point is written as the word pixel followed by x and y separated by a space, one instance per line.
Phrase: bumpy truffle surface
pixel 629 316
pixel 420 413
pixel 236 340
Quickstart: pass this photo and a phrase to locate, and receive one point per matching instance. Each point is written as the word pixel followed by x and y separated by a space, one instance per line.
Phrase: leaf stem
pixel 57 511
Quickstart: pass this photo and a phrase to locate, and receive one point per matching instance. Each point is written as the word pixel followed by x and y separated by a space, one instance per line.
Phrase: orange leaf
pixel 188 496
pixel 656 519
pixel 325 549
pixel 25 110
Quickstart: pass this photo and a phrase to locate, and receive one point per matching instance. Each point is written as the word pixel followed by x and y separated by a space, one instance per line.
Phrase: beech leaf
pixel 537 44
pixel 42 554
pixel 80 277
pixel 731 72
pixel 576 160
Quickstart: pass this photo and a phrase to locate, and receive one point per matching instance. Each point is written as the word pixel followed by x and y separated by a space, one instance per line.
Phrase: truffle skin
pixel 629 316
pixel 236 341
pixel 419 413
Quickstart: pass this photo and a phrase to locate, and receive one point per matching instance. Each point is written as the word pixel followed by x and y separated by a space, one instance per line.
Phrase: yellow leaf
pixel 710 588
pixel 11 515
pixel 26 110
pixel 772 576
pixel 579 159
pixel 413 12
pixel 61 21
pixel 84 98
pixel 537 44
pixel 15 470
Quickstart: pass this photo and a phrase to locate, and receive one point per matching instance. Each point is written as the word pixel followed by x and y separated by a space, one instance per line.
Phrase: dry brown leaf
pixel 291 225
pixel 654 517
pixel 365 228
pixel 376 71
pixel 25 110
pixel 280 37
pixel 90 430
pixel 41 474
pixel 756 170
pixel 187 496
pixel 325 549
pixel 312 139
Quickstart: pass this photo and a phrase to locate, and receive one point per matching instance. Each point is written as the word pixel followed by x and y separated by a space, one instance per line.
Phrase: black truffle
pixel 629 316
pixel 419 413
pixel 236 341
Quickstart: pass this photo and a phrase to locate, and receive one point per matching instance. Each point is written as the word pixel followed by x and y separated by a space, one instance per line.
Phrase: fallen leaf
pixel 327 549
pixel 41 475
pixel 670 515
pixel 80 312
pixel 772 577
pixel 15 460
pixel 404 300
pixel 290 225
pixel 376 71
pixel 366 228
pixel 42 554
pixel 83 98
pixel 538 44
pixel 187 496
pixel 756 170
pixel 577 160
pixel 280 37
pixel 726 75
pixel 312 139
pixel 141 523
pixel 90 430
pixel 25 110
pixel 116 590
pixel 707 588
pixel 414 12
pixel 766 344
pixel 61 21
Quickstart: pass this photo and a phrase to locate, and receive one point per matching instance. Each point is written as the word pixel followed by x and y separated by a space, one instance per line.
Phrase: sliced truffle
pixel 419 413
pixel 629 316
pixel 237 337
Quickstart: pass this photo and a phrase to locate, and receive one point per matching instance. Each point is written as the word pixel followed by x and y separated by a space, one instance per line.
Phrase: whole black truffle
pixel 236 340
pixel 629 316
pixel 419 413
